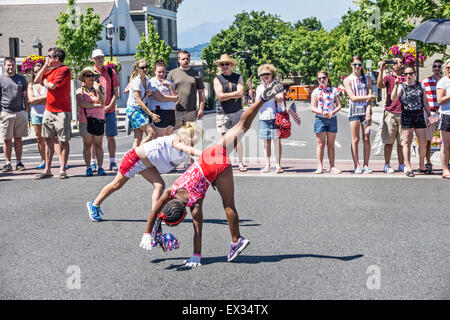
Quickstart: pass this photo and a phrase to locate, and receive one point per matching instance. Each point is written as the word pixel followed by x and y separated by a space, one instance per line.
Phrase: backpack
pixel 283 124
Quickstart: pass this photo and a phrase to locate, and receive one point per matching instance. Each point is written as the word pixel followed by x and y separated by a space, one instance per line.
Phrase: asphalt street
pixel 312 236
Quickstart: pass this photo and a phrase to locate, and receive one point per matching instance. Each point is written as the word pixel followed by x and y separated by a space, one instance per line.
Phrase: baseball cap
pixel 97 52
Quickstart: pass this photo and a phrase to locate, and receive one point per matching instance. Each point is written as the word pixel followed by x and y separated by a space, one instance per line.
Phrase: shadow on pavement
pixel 254 259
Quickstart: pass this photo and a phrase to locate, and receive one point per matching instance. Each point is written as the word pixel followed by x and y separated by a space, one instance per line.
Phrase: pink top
pixel 105 82
pixel 194 182
pixel 98 113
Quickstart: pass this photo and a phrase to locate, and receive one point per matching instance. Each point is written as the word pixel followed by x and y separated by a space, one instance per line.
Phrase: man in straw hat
pixel 229 88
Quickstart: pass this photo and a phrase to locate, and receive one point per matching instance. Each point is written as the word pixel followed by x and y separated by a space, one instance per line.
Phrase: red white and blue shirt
pixel 430 90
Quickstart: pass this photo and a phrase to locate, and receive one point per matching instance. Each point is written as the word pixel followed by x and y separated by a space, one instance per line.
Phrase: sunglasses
pixel 322 78
pixel 409 73
pixel 357 64
pixel 437 66
pixel 143 67
pixel 89 75
pixel 265 74
pixel 224 64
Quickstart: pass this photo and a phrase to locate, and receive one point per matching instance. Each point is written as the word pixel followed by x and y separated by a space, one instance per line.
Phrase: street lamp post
pixel 110 36
pixel 37 44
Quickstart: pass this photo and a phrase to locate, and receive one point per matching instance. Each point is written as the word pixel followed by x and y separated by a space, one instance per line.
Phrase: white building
pixel 23 22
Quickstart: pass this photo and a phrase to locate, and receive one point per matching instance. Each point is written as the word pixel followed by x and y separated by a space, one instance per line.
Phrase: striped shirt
pixel 359 89
pixel 430 90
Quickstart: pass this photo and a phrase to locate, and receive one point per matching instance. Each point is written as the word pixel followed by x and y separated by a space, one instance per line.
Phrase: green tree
pixel 78 35
pixel 151 48
pixel 252 32
pixel 312 24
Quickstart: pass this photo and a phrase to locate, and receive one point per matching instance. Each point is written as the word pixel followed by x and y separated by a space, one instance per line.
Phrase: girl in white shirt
pixel 151 159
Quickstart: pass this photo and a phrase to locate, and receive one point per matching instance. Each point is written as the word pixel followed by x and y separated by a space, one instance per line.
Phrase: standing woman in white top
pixel 163 100
pixel 267 115
pixel 325 103
pixel 37 96
pixel 137 109
pixel 443 97
pixel 359 90
pixel 151 159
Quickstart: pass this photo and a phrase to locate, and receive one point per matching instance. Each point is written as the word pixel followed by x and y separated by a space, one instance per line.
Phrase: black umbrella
pixel 431 31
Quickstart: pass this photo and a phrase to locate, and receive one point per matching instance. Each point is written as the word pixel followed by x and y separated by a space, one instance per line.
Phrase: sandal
pixel 335 170
pixel 425 171
pixel 410 174
pixel 63 175
pixel 446 176
pixel 242 168
pixel 43 176
pixel 280 170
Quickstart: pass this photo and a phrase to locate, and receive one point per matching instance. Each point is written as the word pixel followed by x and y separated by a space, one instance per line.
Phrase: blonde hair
pixel 192 131
pixel 134 71
pixel 270 67
pixel 444 66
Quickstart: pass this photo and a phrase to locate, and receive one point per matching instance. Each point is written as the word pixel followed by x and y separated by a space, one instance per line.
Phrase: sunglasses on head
pixel 409 73
pixel 143 67
pixel 357 64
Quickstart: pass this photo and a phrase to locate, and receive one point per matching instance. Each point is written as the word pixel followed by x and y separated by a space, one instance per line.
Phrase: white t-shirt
pixel 444 83
pixel 268 110
pixel 161 153
pixel 334 93
pixel 136 85
pixel 155 84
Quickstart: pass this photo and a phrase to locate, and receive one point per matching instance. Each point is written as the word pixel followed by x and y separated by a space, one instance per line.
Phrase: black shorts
pixel 413 120
pixel 444 123
pixel 167 118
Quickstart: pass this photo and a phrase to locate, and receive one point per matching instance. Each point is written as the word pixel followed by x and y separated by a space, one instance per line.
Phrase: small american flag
pixel 292 110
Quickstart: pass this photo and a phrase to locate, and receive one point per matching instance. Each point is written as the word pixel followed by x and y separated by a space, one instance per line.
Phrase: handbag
pixel 95 126
pixel 283 123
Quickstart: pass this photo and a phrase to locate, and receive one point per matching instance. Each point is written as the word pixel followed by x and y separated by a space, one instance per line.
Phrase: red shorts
pixel 131 164
pixel 202 173
pixel 214 161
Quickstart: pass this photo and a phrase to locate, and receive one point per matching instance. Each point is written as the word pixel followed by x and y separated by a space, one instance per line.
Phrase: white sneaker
pixel 388 168
pixel 401 168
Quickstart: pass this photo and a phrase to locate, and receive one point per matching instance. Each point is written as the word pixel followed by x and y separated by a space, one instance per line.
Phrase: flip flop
pixel 43 176
pixel 63 175
pixel 280 170
pixel 446 176
pixel 410 174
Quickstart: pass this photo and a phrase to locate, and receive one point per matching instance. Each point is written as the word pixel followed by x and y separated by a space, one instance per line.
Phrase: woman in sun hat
pixel 90 101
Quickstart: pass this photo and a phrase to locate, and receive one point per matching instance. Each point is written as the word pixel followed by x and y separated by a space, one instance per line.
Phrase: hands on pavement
pixel 147 241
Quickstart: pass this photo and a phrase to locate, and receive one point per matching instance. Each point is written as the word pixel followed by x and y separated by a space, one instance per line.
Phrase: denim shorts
pixel 361 118
pixel 267 130
pixel 35 120
pixel 325 125
pixel 137 116
pixel 111 124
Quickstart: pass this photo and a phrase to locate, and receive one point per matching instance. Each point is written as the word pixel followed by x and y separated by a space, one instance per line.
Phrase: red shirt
pixel 105 82
pixel 58 100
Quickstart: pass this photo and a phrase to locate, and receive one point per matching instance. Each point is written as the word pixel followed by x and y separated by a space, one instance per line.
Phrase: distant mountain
pixel 196 52
pixel 201 33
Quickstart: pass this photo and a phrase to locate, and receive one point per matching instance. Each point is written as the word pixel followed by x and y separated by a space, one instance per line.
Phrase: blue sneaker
pixel 94 212
pixel 113 167
pixel 89 172
pixel 237 248
pixel 41 166
pixel 101 172
pixel 93 167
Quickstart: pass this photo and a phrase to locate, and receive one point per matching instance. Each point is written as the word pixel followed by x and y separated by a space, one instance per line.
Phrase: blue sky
pixel 199 20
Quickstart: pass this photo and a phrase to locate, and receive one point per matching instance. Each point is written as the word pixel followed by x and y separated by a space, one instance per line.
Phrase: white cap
pixel 97 52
